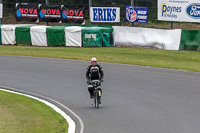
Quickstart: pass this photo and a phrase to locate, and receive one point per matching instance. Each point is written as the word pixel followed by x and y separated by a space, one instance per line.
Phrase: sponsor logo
pixel 53 12
pixel 26 12
pixel 104 14
pixel 131 14
pixel 170 11
pixel 19 14
pixel 193 10
pixel 136 14
pixel 75 13
pixel 64 15
pixel 41 14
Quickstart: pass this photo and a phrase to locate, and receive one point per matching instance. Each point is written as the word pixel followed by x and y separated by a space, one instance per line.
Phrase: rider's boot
pixel 90 91
pixel 91 96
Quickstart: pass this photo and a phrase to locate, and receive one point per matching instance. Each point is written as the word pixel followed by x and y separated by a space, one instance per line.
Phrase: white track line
pixel 71 123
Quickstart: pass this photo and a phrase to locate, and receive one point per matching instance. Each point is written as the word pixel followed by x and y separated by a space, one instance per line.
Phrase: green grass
pixel 182 60
pixel 20 114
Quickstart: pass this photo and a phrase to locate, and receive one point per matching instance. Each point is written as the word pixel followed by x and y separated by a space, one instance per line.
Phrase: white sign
pixel 1 10
pixel 105 14
pixel 179 10
pixel 90 36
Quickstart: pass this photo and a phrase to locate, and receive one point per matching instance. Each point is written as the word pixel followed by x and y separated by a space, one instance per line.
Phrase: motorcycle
pixel 97 92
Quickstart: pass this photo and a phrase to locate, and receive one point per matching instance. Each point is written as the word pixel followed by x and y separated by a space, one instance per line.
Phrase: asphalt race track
pixel 135 99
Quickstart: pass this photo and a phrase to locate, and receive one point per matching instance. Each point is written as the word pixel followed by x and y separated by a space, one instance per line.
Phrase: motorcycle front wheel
pixel 97 100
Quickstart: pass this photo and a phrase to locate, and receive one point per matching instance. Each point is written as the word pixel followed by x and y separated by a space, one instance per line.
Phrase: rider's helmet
pixel 94 61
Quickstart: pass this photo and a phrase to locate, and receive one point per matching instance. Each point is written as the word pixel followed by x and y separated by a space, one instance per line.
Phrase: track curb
pixel 79 126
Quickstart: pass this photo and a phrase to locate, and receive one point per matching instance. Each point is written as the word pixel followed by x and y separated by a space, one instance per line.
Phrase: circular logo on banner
pixel 41 14
pixel 19 14
pixel 64 14
pixel 193 10
pixel 131 14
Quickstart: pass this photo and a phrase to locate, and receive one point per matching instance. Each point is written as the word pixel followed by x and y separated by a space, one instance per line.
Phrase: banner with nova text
pixel 26 12
pixel 49 13
pixel 73 14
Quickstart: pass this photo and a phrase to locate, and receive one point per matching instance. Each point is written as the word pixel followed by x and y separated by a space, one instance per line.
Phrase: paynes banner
pixel 73 14
pixel 26 12
pixel 105 14
pixel 49 13
pixel 179 10
pixel 136 14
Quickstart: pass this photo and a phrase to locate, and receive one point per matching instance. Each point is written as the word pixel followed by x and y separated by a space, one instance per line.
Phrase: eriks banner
pixel 105 14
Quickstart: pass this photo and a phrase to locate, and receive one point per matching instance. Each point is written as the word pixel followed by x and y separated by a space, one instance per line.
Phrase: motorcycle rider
pixel 94 72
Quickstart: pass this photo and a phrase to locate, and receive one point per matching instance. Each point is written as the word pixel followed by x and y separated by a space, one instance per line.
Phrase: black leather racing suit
pixel 94 73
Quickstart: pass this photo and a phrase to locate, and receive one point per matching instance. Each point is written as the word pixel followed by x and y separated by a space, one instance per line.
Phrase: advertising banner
pixel 136 14
pixel 105 14
pixel 179 10
pixel 49 13
pixel 73 14
pixel 26 12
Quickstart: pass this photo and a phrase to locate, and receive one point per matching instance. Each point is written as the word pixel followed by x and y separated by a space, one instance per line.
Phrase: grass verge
pixel 22 114
pixel 181 60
